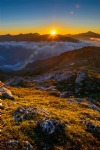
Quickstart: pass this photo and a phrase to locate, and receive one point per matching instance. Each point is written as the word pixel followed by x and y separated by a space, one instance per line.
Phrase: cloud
pixel 16 55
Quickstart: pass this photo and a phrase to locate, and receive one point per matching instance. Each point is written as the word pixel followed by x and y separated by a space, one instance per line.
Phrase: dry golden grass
pixel 73 114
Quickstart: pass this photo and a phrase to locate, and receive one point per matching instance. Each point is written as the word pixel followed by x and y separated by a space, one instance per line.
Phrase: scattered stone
pixel 15 145
pixel 79 100
pixel 50 132
pixel 95 130
pixel 80 77
pixel 27 146
pixel 66 94
pixel 92 106
pixel 12 144
pixel 54 92
pixel 5 93
pixel 17 82
pixel 63 76
pixel 28 113
pixel 70 100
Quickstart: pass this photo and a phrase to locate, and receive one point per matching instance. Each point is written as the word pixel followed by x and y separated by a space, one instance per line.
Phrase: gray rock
pixel 92 106
pixel 15 145
pixel 12 144
pixel 70 100
pixel 95 130
pixel 80 77
pixel 66 94
pixel 6 93
pixel 79 100
pixel 50 132
pixel 63 76
pixel 28 113
pixel 27 146
pixel 17 82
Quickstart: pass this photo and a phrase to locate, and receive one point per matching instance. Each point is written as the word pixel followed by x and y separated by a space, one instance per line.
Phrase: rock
pixel 54 92
pixel 17 82
pixel 79 100
pixel 92 106
pixel 70 100
pixel 95 130
pixel 15 145
pixel 5 93
pixel 66 94
pixel 27 146
pixel 63 76
pixel 12 144
pixel 28 113
pixel 80 77
pixel 50 132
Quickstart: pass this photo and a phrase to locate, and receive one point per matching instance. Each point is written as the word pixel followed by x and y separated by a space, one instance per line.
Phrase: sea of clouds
pixel 16 55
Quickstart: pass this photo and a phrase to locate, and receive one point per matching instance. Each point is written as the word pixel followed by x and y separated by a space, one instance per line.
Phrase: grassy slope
pixel 73 114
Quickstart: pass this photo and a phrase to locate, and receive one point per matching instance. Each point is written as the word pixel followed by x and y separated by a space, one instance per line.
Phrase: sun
pixel 53 32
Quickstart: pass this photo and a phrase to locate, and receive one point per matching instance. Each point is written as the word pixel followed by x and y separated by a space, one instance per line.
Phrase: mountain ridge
pixel 48 37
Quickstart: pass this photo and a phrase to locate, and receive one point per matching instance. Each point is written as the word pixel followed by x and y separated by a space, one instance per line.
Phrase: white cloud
pixel 22 53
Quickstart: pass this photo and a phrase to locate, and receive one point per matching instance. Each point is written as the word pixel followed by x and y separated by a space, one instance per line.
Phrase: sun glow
pixel 53 32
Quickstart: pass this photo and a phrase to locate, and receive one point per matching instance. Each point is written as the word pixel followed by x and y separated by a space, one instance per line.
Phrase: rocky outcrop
pixel 50 132
pixel 27 113
pixel 5 93
pixel 80 77
pixel 17 82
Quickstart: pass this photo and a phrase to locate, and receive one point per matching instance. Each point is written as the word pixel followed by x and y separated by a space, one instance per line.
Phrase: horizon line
pixel 47 33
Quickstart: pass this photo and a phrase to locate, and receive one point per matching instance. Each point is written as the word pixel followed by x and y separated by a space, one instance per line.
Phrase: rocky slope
pixel 53 104
pixel 87 58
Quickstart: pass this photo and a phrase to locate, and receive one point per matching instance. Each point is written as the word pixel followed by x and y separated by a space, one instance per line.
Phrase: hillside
pixel 53 104
pixel 87 57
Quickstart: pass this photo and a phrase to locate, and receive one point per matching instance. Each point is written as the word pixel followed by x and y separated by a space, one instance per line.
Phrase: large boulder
pixel 6 93
pixel 49 133
pixel 27 113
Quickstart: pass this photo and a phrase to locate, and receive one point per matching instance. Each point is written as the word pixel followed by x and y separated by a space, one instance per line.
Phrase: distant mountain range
pixel 47 37
pixel 35 37
pixel 85 36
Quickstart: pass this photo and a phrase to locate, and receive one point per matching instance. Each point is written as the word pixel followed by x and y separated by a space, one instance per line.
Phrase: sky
pixel 42 16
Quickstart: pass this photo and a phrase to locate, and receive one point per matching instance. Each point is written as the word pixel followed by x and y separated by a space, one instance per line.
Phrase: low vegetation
pixel 73 114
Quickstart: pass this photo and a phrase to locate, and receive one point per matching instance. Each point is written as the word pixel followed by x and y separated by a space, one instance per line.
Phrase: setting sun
pixel 53 32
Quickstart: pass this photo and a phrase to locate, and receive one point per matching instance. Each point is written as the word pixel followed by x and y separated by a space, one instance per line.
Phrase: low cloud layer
pixel 16 55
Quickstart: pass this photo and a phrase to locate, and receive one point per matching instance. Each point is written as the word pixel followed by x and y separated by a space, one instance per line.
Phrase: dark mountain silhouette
pixel 88 35
pixel 36 37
